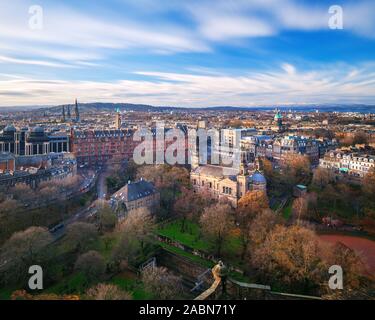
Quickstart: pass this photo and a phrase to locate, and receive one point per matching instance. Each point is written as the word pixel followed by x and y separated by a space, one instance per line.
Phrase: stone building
pixel 292 145
pixel 343 163
pixel 35 169
pixel 226 183
pixel 135 195
pixel 32 142
pixel 37 142
pixel 96 147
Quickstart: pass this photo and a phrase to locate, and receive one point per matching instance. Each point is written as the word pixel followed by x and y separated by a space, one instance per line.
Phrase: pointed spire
pixel 77 111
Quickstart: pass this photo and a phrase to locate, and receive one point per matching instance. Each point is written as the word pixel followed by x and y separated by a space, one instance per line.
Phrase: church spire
pixel 77 111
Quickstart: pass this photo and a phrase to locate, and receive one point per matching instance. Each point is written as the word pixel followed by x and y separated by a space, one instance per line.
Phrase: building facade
pixel 135 195
pixel 7 162
pixel 293 145
pixel 224 183
pixel 95 147
pixel 348 164
pixel 32 142
pixel 32 170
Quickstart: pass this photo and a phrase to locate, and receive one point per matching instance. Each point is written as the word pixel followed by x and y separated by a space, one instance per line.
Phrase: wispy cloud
pixel 200 34
pixel 5 59
pixel 287 85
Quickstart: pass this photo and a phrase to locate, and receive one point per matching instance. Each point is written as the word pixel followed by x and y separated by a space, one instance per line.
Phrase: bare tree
pixel 217 222
pixel 290 256
pixel 189 205
pixel 296 168
pixel 8 206
pixel 22 192
pixel 322 177
pixel 261 226
pixel 161 284
pixel 22 250
pixel 91 264
pixel 139 224
pixel 104 291
pixel 368 185
pixel 106 218
pixel 249 206
pixel 80 235
pixel 168 179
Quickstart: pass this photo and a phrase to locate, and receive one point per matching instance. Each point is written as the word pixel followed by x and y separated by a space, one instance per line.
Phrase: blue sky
pixel 187 53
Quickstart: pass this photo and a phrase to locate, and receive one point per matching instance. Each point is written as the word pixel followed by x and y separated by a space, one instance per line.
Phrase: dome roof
pixel 9 128
pixel 258 178
pixel 38 129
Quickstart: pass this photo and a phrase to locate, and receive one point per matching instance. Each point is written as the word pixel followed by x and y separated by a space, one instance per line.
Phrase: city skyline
pixel 240 53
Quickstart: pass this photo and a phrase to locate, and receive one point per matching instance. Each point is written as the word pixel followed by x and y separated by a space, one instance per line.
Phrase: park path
pixel 364 247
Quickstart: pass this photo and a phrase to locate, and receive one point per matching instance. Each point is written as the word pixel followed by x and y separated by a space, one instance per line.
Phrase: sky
pixel 195 53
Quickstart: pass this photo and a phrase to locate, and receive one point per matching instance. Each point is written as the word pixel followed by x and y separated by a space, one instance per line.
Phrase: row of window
pixel 226 190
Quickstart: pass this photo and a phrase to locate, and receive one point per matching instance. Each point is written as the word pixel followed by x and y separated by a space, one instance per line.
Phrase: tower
pixel 243 168
pixel 68 113
pixel 118 119
pixel 279 120
pixel 194 159
pixel 63 114
pixel 76 111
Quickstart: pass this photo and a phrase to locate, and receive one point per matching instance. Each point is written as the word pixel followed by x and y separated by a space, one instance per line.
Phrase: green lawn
pixel 76 283
pixel 198 260
pixel 191 237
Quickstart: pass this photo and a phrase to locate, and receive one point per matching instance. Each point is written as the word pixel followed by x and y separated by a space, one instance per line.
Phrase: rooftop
pixel 135 190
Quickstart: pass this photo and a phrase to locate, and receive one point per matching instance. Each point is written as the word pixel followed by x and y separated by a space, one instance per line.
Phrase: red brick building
pixel 95 147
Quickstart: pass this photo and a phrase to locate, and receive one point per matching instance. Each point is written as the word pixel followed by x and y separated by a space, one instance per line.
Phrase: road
pixel 59 230
pixel 102 185
pixel 89 179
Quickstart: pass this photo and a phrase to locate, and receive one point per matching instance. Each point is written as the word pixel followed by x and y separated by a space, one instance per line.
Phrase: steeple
pixel 278 119
pixel 68 113
pixel 63 114
pixel 76 111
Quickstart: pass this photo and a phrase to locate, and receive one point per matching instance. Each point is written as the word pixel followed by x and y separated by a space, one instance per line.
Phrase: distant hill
pixel 104 106
pixel 108 106
pixel 92 107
